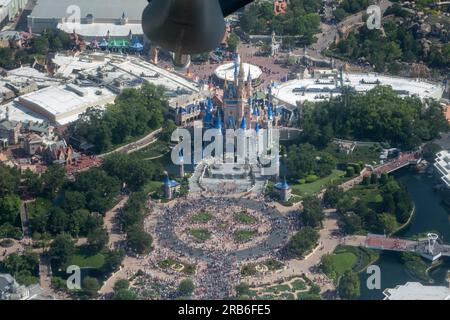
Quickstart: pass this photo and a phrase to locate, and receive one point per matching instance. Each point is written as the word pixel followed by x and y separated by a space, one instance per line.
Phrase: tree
pixel 121 284
pixel 90 286
pixel 98 187
pixel 53 179
pixel 349 287
pixel 57 220
pixel 242 289
pixel 387 223
pixel 32 182
pixel 186 288
pixel 139 241
pixel 332 196
pixel 97 240
pixel 9 180
pixel 78 222
pixel 113 260
pixel 9 209
pixel 312 214
pixel 73 200
pixel 129 169
pixel 302 242
pixel 233 42
pixel 430 150
pixel 61 249
pixel 124 294
pixel 166 133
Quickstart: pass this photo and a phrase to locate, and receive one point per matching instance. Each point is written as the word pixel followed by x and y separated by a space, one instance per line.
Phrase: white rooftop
pixel 100 9
pixel 99 30
pixel 19 113
pixel 417 291
pixel 150 72
pixel 67 64
pixel 226 71
pixel 361 82
pixel 442 164
pixel 64 104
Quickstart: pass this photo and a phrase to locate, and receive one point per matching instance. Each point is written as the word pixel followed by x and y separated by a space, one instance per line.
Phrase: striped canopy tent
pixel 118 44
pixel 103 44
pixel 136 45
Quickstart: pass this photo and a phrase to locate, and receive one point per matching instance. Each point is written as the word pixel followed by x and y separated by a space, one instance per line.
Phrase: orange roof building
pixel 280 6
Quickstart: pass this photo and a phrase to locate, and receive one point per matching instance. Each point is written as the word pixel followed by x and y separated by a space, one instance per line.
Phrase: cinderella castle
pixel 242 108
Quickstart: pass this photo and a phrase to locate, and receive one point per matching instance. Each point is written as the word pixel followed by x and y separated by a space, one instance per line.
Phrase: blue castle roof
pixel 243 123
pixel 169 182
pixel 282 185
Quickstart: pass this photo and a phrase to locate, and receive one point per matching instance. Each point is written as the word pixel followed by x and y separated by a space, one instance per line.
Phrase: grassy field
pixel 202 217
pixel 350 258
pixel 368 194
pixel 245 218
pixel 314 187
pixel 153 150
pixel 244 235
pixel 85 261
pixel 152 186
pixel 200 234
pixel 368 155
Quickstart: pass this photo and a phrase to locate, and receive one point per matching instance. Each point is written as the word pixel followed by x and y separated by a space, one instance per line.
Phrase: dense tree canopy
pixel 131 169
pixel 312 213
pixel 379 115
pixel 61 249
pixel 303 160
pixel 134 113
pixel 302 242
pixel 301 20
pixel 349 287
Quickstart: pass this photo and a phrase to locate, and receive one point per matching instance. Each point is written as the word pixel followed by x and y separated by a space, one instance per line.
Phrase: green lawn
pixel 84 261
pixel 200 234
pixel 244 218
pixel 343 261
pixel 314 187
pixel 298 285
pixel 202 217
pixel 365 154
pixel 153 150
pixel 369 194
pixel 152 186
pixel 244 235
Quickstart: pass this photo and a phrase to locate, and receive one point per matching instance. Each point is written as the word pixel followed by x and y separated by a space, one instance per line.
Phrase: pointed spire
pixel 243 123
pixel 210 105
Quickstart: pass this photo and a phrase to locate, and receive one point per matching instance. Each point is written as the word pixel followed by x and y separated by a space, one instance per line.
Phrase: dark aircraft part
pixel 231 6
pixel 188 26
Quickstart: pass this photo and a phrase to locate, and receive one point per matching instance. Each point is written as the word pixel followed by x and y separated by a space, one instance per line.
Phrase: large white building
pixel 89 18
pixel 10 9
pixel 324 84
pixel 417 291
pixel 87 80
pixel 442 164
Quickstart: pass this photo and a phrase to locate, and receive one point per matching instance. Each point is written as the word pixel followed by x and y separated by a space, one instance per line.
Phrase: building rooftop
pixel 442 164
pixel 65 101
pixel 51 9
pixel 101 29
pixel 226 71
pixel 319 89
pixel 417 291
